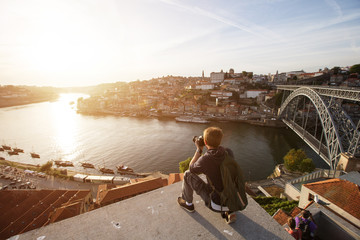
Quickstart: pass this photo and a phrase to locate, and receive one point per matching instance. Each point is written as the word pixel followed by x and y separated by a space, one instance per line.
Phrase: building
pixel 217 77
pixel 309 75
pixel 205 86
pixel 108 194
pixel 25 210
pixel 339 196
pixel 156 215
pixel 221 94
pixel 294 73
pixel 334 203
pixel 279 77
pixel 293 188
pixel 254 93
pixel 282 216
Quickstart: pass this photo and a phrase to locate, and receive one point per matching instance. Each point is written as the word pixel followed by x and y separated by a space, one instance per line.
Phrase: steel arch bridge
pixel 339 134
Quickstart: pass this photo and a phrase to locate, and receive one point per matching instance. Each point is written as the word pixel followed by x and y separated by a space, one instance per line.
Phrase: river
pixel 56 131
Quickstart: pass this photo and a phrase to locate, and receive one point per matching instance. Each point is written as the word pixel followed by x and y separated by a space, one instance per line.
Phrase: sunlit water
pixel 56 131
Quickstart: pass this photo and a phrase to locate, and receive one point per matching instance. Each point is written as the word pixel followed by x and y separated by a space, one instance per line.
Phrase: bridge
pixel 318 116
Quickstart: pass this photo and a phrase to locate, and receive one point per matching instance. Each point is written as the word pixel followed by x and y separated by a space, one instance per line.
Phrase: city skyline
pixel 74 43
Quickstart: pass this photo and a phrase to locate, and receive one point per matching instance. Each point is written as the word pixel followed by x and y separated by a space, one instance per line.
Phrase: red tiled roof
pixel 281 217
pixel 14 203
pixel 26 210
pixel 295 211
pixel 117 194
pixel 67 211
pixel 342 193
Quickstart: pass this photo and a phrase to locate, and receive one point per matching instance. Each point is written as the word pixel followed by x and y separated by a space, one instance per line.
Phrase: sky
pixel 87 42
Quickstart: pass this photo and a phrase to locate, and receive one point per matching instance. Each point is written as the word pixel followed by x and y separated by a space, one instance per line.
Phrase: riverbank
pixel 270 121
pixel 68 173
pixel 11 102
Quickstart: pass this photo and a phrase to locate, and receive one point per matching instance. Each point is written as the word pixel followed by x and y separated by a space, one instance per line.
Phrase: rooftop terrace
pixel 156 215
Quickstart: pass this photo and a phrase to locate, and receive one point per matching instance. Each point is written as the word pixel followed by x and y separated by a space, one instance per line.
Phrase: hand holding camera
pixel 199 141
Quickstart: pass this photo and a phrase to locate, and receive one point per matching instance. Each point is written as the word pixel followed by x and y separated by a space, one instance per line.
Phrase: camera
pixel 199 140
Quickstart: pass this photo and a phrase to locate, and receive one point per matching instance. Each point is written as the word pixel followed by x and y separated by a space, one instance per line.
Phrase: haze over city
pixel 78 43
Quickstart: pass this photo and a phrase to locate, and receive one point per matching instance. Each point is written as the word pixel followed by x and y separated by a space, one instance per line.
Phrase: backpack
pixel 305 228
pixel 233 195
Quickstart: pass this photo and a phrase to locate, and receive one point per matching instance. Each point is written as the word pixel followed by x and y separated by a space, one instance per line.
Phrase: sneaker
pixel 183 204
pixel 229 217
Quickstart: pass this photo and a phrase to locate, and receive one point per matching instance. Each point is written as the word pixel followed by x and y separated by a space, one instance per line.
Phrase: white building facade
pixel 217 77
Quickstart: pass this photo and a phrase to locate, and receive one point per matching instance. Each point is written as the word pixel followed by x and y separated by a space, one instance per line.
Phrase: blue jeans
pixel 193 182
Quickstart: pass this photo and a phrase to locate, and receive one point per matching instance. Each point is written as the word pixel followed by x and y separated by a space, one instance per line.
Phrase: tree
pixel 184 165
pixel 355 68
pixel 307 165
pixel 296 160
pixel 46 167
pixel 293 159
pixel 235 96
pixel 335 70
pixel 278 98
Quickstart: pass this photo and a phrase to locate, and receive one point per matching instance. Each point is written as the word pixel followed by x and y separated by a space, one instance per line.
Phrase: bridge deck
pixel 352 94
pixel 315 144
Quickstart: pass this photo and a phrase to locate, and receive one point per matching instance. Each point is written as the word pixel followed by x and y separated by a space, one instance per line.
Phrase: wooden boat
pixel 1 158
pixel 5 147
pixel 87 165
pixel 106 170
pixel 18 150
pixel 122 168
pixel 13 153
pixel 35 155
pixel 1 149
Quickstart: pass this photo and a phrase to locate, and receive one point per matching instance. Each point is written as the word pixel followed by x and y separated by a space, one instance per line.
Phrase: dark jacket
pixel 209 164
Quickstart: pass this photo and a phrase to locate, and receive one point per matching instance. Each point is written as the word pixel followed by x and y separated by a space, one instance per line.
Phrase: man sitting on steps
pixel 208 164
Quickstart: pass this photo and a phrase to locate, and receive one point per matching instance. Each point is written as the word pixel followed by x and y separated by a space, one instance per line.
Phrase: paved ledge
pixel 156 215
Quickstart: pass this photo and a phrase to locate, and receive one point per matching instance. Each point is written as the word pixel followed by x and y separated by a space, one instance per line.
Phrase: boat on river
pixel 124 169
pixel 60 163
pixel 13 153
pixel 6 147
pixel 18 150
pixel 191 119
pixel 35 155
pixel 87 165
pixel 106 170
